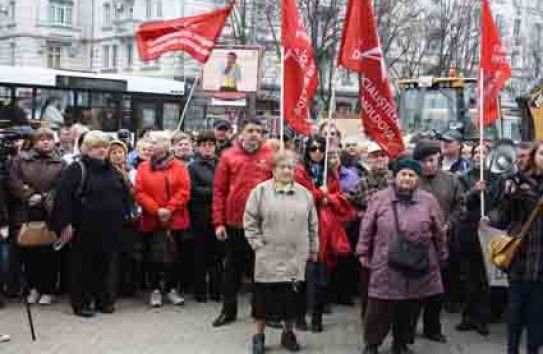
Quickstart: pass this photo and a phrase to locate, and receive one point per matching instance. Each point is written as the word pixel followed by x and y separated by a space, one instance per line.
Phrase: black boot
pixel 258 343
pixel 224 319
pixel 228 315
pixel 316 322
pixel 371 349
pixel 83 311
pixel 401 349
pixel 289 341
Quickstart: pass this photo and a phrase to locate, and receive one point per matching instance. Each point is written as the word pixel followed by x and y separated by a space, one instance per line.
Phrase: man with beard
pixel 449 192
pixel 240 169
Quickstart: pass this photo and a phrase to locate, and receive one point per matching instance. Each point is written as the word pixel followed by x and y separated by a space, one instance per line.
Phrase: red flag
pixel 195 35
pixel 300 71
pixel 361 52
pixel 494 66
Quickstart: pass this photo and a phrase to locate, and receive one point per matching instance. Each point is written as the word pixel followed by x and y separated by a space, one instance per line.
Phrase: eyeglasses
pixel 350 145
pixel 315 149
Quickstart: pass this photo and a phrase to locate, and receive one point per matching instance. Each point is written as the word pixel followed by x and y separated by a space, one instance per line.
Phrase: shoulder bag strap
pixel 533 216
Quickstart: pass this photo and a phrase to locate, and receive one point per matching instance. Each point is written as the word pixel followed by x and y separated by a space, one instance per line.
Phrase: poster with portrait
pixel 233 69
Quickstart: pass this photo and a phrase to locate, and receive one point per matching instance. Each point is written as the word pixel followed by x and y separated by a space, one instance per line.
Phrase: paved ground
pixel 135 329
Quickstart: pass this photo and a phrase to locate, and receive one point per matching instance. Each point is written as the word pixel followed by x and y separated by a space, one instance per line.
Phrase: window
pixel 148 9
pixel 115 55
pixel 516 32
pixel 500 24
pixel 60 13
pixel 54 53
pixel 118 11
pixel 159 8
pixel 346 78
pixel 12 54
pixel 105 57
pixel 129 55
pixel 107 15
pixel 11 10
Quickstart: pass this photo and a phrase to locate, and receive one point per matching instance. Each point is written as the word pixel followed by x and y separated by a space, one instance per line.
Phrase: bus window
pixel 171 115
pixel 59 99
pixel 106 111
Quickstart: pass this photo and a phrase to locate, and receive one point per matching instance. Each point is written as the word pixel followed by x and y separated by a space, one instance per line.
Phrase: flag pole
pixel 189 99
pixel 481 138
pixel 331 109
pixel 282 101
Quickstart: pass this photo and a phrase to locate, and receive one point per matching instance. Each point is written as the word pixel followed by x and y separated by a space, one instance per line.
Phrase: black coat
pixel 202 172
pixel 101 214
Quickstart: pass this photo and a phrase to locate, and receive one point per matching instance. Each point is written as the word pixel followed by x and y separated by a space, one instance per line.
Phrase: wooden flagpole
pixel 282 101
pixel 481 138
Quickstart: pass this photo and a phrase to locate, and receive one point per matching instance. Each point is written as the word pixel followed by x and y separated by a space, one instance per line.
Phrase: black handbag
pixel 410 258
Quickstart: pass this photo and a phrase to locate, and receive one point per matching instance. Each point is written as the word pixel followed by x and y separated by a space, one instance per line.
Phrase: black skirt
pixel 274 302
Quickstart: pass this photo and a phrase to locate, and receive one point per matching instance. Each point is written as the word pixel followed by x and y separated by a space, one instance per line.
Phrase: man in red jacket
pixel 240 169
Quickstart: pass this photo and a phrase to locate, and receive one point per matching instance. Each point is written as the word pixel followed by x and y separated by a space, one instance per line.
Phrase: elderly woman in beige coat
pixel 281 225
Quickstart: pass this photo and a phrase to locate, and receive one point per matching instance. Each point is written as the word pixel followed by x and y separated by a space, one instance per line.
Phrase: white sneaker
pixel 33 296
pixel 175 298
pixel 156 299
pixel 46 300
pixel 4 338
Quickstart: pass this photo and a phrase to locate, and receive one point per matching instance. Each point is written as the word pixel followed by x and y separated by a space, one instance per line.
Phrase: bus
pixel 108 102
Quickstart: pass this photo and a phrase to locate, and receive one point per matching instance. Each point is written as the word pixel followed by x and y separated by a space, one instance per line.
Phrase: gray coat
pixel 282 228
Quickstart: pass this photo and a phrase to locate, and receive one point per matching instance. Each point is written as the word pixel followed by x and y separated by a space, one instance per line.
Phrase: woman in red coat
pixel 332 208
pixel 163 191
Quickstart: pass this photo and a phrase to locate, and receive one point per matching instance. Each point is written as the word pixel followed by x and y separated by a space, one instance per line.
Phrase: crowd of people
pixel 306 225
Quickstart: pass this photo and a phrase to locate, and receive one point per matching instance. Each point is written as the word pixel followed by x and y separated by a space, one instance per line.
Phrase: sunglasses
pixel 315 149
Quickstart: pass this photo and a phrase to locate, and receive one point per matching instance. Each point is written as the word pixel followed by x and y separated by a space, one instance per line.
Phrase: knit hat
pixel 118 143
pixel 425 148
pixel 403 164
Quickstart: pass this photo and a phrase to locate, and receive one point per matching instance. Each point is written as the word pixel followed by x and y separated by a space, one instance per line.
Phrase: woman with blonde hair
pixel 91 210
pixel 163 191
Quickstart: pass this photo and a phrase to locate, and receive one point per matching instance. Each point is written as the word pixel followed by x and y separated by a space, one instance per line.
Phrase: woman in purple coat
pixel 395 293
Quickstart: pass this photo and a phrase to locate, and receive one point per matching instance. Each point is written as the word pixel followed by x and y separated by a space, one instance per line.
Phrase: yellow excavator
pixel 433 105
pixel 531 107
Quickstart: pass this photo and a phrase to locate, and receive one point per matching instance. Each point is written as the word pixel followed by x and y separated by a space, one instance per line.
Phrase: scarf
pixel 160 163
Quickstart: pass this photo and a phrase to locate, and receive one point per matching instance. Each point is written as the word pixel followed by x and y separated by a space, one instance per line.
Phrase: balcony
pixel 125 25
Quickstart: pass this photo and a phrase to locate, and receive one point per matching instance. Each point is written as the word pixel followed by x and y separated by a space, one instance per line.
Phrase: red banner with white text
pixel 195 35
pixel 494 66
pixel 300 70
pixel 361 52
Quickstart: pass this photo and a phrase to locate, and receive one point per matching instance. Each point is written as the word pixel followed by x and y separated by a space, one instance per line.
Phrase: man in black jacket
pixel 208 252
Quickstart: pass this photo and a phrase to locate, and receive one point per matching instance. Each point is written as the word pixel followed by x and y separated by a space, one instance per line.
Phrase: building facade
pixel 98 36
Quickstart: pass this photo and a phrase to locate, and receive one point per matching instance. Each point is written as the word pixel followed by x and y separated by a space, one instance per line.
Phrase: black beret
pixel 425 148
pixel 222 123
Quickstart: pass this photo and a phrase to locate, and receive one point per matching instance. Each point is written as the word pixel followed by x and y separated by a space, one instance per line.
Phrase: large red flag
pixel 299 71
pixel 195 35
pixel 361 52
pixel 494 66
